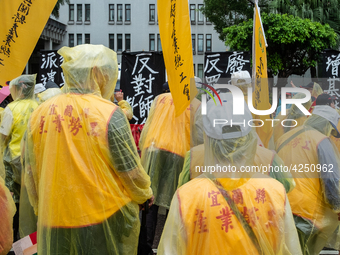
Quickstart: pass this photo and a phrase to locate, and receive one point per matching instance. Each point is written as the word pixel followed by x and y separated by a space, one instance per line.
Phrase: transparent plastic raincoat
pixel 126 108
pixel 264 158
pixel 292 113
pixel 82 169
pixel 196 134
pixel 1 111
pixel 164 141
pixel 317 91
pixel 245 214
pixel 13 126
pixel 314 161
pixel 47 94
pixel 335 140
pixel 7 211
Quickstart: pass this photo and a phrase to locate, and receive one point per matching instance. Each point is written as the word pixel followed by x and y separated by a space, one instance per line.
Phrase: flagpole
pixel 264 35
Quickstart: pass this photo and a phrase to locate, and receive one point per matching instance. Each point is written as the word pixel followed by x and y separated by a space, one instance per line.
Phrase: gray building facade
pixel 131 26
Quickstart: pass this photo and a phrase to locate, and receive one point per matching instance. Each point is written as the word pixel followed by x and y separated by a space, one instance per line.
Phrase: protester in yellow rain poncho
pixel 82 169
pixel 164 141
pixel 229 212
pixel 264 158
pixel 7 211
pixel 27 218
pixel 314 161
pixel 12 129
pixel 294 113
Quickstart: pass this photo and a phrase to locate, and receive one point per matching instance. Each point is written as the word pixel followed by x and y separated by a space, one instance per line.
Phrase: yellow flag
pixel 175 32
pixel 22 22
pixel 261 92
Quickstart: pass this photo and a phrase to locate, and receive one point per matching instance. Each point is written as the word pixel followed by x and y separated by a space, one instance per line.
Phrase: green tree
pixel 55 11
pixel 325 12
pixel 294 44
pixel 224 13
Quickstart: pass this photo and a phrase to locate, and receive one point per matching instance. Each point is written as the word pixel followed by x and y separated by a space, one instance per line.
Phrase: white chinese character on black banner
pixel 236 62
pixel 49 61
pixel 143 86
pixel 333 61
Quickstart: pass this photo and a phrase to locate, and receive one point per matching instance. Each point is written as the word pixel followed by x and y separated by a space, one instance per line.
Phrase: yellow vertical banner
pixel 22 22
pixel 175 32
pixel 261 92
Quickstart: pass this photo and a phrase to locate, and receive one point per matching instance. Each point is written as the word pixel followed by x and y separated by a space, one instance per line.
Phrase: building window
pixel 70 40
pixel 128 12
pixel 194 70
pixel 119 12
pixel 192 13
pixel 79 39
pixel 208 42
pixel 87 38
pixel 87 12
pixel 200 43
pixel 159 43
pixel 127 42
pixel 111 12
pixel 151 42
pixel 200 71
pixel 71 12
pixel 79 12
pixel 119 42
pixel 200 14
pixel 193 41
pixel 152 12
pixel 112 41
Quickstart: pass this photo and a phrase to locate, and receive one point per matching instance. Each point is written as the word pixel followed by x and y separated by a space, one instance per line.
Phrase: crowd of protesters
pixel 70 170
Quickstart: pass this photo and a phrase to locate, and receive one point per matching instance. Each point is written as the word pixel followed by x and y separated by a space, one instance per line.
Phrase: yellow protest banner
pixel 22 22
pixel 261 92
pixel 175 32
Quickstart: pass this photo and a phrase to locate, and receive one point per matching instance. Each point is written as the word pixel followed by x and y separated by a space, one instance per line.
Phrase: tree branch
pixel 250 1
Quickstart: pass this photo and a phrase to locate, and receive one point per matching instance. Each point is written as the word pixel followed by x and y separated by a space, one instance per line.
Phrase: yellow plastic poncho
pixel 314 163
pixel 7 211
pixel 83 173
pixel 126 108
pixel 293 113
pixel 1 111
pixel 335 140
pixel 47 94
pixel 213 215
pixel 317 91
pixel 196 134
pixel 12 129
pixel 164 141
pixel 2 166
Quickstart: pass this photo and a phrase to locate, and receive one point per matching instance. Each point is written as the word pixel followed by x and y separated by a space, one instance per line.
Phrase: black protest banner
pixel 222 64
pixel 50 68
pixel 331 64
pixel 142 78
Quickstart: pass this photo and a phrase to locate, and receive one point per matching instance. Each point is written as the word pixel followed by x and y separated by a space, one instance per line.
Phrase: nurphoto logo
pixel 238 103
